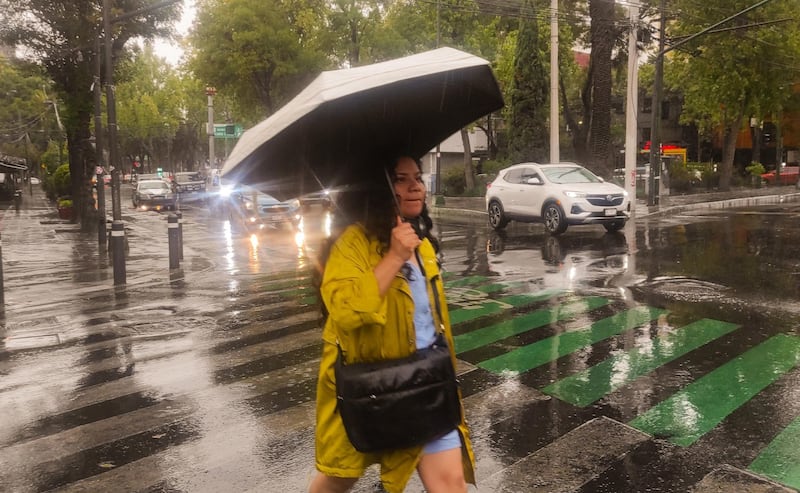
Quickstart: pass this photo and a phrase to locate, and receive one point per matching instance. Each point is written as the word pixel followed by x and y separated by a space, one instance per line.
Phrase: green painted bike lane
pixel 587 386
pixel 692 412
pixel 780 460
pixel 533 355
pixel 524 323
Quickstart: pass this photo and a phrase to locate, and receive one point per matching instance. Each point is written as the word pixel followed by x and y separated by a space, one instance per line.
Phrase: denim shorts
pixel 447 442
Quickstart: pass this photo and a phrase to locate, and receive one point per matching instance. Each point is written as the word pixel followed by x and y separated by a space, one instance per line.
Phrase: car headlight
pixel 575 195
pixel 294 203
pixel 248 205
pixel 624 193
pixel 225 190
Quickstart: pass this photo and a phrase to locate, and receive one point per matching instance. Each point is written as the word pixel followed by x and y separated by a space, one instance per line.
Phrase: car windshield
pixel 187 177
pixel 264 199
pixel 570 174
pixel 151 186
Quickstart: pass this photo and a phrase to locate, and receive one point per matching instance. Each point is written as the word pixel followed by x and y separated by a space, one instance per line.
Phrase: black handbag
pixel 398 403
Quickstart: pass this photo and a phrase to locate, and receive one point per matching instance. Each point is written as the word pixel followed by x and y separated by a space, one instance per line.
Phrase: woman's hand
pixel 404 240
pixel 401 247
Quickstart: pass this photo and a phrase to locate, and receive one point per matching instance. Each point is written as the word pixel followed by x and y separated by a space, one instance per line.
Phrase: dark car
pixel 154 195
pixel 190 185
pixel 253 211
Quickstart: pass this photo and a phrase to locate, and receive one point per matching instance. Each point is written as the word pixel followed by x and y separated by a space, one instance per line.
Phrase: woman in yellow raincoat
pixel 378 287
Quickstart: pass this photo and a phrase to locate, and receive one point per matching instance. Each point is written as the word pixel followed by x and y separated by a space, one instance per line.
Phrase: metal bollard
pixel 172 233
pixel 118 252
pixel 180 234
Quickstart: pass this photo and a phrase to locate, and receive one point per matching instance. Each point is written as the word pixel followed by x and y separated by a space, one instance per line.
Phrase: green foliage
pixel 64 203
pixel 528 132
pixel 50 158
pixel 453 182
pixel 25 119
pixel 728 76
pixel 709 174
pixel 491 167
pixel 755 169
pixel 259 52
pixel 61 181
pixel 680 177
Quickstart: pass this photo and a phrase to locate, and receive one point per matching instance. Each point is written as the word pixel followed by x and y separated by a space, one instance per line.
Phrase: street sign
pixel 228 130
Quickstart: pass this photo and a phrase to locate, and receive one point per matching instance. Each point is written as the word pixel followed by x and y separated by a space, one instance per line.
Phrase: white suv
pixel 557 195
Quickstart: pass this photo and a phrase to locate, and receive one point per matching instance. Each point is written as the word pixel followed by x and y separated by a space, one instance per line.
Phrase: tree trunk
pixel 577 130
pixel 755 138
pixel 602 39
pixel 469 172
pixel 728 151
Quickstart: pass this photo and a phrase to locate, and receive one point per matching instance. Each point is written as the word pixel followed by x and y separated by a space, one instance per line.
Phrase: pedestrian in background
pixel 378 287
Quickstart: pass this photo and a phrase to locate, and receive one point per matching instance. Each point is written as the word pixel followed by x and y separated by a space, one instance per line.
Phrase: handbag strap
pixel 435 292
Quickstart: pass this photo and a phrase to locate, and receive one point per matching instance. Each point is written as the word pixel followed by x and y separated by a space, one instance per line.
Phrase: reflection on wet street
pixel 661 358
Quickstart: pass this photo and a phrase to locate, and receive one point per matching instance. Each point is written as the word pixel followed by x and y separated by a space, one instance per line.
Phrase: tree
pixel 528 111
pixel 259 53
pixel 727 76
pixel 60 36
pixel 26 123
pixel 153 106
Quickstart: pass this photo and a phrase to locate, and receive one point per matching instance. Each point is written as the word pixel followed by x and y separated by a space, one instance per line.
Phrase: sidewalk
pixel 475 207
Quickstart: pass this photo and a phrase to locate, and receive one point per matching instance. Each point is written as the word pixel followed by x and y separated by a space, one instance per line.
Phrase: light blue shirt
pixel 425 335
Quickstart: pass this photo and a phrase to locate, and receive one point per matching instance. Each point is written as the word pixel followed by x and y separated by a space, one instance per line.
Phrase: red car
pixel 788 176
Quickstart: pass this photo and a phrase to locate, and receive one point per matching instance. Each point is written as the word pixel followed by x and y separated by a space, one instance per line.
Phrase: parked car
pixel 154 195
pixel 788 176
pixel 253 211
pixel 557 195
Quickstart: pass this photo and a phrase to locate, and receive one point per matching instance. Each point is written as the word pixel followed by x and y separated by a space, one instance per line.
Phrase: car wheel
pixel 497 219
pixel 614 226
pixel 554 221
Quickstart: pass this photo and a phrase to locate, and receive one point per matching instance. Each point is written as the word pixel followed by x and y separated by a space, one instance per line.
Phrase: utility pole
pixel 98 146
pixel 554 127
pixel 111 110
pixel 632 105
pixel 655 123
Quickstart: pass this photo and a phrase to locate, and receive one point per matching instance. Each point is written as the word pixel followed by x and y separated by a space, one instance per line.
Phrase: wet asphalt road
pixel 662 359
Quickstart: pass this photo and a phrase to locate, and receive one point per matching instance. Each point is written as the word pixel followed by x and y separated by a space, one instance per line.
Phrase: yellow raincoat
pixel 371 328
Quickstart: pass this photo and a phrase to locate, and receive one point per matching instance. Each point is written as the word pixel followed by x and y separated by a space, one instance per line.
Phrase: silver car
pixel 154 195
pixel 557 195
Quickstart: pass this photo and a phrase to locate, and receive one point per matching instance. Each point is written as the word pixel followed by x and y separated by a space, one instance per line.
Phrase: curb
pixel 438 212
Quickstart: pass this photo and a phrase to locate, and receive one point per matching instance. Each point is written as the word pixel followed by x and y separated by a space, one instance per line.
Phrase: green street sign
pixel 228 130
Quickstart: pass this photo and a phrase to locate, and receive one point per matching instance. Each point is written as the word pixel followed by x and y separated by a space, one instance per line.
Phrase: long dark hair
pixel 372 203
pixel 369 199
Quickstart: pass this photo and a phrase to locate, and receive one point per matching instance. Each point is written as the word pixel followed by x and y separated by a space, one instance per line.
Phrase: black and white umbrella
pixel 350 118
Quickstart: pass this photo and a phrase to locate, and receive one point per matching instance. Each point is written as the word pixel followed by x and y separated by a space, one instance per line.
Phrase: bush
pixel 453 182
pixel 709 175
pixel 64 202
pixel 62 182
pixel 755 169
pixel 680 177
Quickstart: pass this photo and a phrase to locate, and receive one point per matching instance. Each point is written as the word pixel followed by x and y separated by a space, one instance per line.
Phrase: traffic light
pixel 160 172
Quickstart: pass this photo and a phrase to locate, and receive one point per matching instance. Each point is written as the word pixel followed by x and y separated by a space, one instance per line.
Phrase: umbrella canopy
pixel 351 118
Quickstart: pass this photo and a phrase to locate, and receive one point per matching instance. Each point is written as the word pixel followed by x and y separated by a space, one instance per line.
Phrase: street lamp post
pixel 113 158
pixel 211 92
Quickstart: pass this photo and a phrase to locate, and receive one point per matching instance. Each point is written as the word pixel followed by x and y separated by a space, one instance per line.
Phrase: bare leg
pixel 443 472
pixel 330 484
